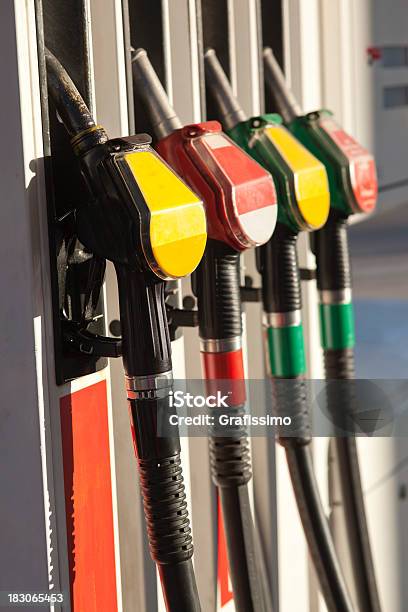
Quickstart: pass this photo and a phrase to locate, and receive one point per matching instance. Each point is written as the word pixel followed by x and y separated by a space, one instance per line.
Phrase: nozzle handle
pixel 151 91
pixel 286 102
pixel 217 82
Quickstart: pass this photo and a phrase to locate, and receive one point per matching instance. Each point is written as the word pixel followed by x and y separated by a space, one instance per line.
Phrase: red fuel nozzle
pixel 239 194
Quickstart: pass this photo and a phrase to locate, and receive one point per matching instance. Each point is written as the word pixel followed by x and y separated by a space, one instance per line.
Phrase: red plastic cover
pixel 248 208
pixel 363 172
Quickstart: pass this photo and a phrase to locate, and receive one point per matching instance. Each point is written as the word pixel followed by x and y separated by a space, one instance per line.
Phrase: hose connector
pixel 230 111
pixel 148 86
pixel 286 102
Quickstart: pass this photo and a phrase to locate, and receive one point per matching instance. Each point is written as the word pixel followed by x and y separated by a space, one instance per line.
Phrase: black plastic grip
pixel 217 287
pixel 341 391
pixel 278 265
pixel 230 456
pixel 162 484
pixel 289 399
pixel 146 339
pixel 332 254
pixel 339 364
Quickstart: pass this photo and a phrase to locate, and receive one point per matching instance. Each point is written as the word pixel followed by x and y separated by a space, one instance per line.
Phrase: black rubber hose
pixel 357 528
pixel 165 504
pixel 231 472
pixel 332 254
pixel 316 528
pixel 146 356
pixel 275 80
pixel 334 274
pixel 66 97
pixel 278 265
pixel 290 397
pixel 148 86
pixel 217 287
pixel 230 111
pixel 282 293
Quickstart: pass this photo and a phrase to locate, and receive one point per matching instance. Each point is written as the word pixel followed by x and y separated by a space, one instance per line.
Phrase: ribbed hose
pixel 339 364
pixel 230 458
pixel 278 266
pixel 231 471
pixel 334 274
pixel 147 363
pixel 332 254
pixel 282 300
pixel 289 399
pixel 165 504
pixel 217 286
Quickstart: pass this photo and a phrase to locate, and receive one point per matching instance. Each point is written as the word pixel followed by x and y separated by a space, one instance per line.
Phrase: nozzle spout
pixel 151 91
pixel 228 106
pixel 286 102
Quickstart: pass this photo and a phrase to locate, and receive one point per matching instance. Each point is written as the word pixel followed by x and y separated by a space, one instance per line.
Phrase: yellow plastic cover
pixel 311 182
pixel 177 228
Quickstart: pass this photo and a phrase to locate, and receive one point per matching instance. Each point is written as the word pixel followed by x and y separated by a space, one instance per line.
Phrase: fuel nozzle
pixel 239 194
pixel 142 214
pixel 240 200
pixel 229 109
pixel 148 222
pixel 162 115
pixel 300 178
pixel 353 189
pixel 350 167
pixel 286 102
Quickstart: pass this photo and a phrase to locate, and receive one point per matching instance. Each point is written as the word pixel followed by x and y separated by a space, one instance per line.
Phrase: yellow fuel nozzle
pixel 175 217
pixel 141 213
pixel 145 216
pixel 310 182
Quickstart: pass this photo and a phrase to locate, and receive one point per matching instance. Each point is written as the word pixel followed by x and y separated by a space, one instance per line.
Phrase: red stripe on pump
pixel 88 499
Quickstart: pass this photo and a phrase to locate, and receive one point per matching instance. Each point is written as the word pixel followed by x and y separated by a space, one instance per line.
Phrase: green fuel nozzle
pixel 353 189
pixel 350 167
pixel 300 179
pixel 303 200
